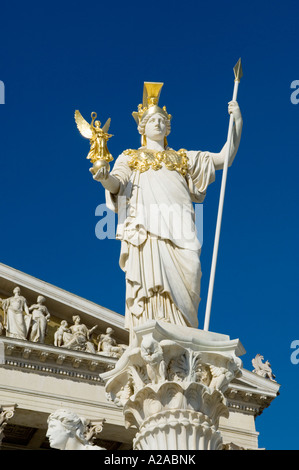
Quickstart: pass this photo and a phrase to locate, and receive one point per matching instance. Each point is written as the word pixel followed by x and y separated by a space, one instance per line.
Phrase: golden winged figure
pixel 99 154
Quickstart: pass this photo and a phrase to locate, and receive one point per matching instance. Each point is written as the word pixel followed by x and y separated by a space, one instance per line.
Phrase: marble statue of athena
pixel 152 190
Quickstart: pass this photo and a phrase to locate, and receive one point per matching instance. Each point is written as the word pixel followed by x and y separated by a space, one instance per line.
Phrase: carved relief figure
pixel 152 189
pixel 262 368
pixel 17 318
pixel 108 346
pixel 40 318
pixel 77 336
pixel 152 354
pixel 58 335
pixel 66 431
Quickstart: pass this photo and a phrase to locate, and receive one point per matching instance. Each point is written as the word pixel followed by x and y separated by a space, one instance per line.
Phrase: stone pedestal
pixel 170 384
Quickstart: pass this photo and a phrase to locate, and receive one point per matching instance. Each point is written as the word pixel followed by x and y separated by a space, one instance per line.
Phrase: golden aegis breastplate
pixel 144 159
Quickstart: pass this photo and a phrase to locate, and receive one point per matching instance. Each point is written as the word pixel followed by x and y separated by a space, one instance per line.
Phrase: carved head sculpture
pixel 17 291
pixel 155 127
pixel 149 115
pixel 76 319
pixel 63 426
pixel 41 299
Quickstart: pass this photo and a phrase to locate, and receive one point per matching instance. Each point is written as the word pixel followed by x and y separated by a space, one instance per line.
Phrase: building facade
pixel 68 343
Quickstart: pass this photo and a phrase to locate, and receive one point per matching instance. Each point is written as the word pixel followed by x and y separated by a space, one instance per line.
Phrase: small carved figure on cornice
pixel 17 318
pixel 108 346
pixel 262 368
pixel 40 318
pixel 58 335
pixel 77 336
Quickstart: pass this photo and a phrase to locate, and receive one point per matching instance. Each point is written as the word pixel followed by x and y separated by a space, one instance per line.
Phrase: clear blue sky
pixel 61 56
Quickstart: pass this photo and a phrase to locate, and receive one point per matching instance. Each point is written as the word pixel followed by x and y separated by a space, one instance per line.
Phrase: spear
pixel 238 74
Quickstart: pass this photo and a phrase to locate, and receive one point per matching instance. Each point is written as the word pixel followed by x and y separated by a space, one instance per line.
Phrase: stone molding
pixel 46 359
pixel 250 393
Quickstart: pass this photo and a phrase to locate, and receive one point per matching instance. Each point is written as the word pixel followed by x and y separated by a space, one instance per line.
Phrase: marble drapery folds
pixel 160 251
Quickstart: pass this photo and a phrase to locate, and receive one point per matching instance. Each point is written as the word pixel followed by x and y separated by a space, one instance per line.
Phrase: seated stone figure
pixel 77 336
pixel 108 346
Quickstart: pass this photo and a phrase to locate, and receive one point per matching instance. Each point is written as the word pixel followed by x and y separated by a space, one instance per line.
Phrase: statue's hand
pixel 101 175
pixel 109 182
pixel 234 109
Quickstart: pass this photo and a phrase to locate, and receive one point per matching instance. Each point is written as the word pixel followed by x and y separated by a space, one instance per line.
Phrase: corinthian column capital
pixel 171 383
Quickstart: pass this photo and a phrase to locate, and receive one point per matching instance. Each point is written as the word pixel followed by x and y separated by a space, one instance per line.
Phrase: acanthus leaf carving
pixel 163 379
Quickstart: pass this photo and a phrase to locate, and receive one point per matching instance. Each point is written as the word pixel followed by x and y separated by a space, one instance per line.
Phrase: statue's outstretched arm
pixel 218 158
pixel 110 182
pixel 26 309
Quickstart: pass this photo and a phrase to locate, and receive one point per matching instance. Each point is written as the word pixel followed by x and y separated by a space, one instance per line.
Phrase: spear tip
pixel 238 71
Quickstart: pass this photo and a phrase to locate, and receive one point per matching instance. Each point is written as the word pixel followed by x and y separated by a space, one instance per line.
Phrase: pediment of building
pixel 62 306
pixel 251 393
pixel 73 357
pixel 71 337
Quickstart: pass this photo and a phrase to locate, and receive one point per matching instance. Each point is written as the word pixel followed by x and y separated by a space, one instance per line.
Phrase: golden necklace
pixel 144 159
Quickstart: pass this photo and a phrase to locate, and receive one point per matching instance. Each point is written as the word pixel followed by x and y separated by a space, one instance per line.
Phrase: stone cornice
pixel 251 393
pixel 51 360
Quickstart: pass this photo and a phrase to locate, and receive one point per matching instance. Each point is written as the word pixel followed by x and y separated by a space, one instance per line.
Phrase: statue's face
pixel 57 434
pixel 155 128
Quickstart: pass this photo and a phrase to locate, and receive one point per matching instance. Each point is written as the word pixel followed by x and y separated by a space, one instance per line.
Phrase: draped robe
pixel 160 251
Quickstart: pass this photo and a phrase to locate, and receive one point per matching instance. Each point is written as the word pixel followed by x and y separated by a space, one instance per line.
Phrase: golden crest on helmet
pixel 151 95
